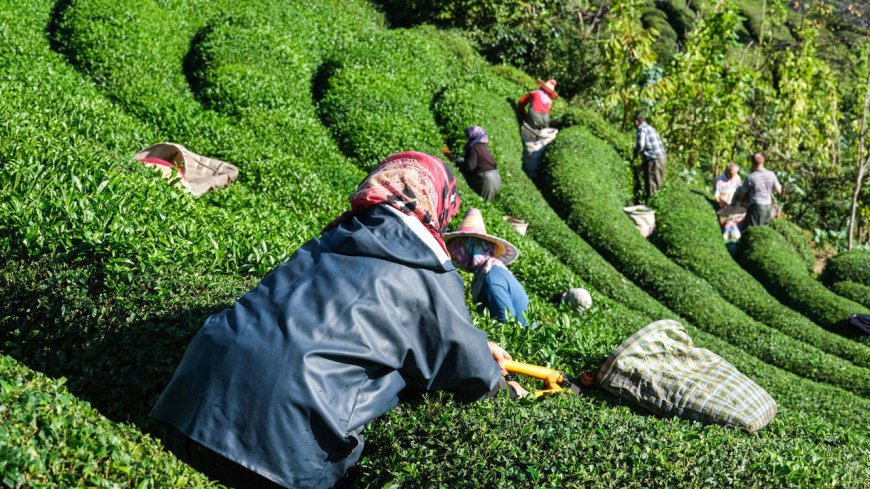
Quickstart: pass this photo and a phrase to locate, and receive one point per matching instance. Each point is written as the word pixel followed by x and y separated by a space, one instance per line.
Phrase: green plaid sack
pixel 660 369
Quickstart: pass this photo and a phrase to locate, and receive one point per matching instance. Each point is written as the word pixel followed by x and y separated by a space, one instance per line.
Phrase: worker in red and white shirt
pixel 535 106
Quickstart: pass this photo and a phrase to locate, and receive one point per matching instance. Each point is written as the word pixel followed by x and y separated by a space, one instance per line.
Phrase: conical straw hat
pixel 549 86
pixel 472 226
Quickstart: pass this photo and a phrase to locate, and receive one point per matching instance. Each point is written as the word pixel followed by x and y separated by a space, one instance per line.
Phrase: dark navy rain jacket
pixel 284 382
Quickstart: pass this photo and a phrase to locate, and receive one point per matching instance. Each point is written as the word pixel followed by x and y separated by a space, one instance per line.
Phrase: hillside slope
pixel 108 271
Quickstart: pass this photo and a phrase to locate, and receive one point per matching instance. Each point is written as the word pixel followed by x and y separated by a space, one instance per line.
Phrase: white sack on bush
pixel 198 173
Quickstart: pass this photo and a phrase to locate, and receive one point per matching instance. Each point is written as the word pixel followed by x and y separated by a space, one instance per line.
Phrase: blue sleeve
pixel 497 299
pixel 497 296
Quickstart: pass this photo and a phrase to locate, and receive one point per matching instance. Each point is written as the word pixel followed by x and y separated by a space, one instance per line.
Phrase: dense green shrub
pixel 456 109
pixel 753 13
pixel 581 182
pixel 51 439
pixel 853 291
pixel 117 292
pixel 680 15
pixel 581 115
pixel 767 255
pixel 852 266
pixel 477 443
pixel 688 232
pixel 538 35
pixel 367 92
pixel 798 239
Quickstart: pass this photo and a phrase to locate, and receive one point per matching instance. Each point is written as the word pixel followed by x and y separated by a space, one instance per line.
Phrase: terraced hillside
pixel 108 271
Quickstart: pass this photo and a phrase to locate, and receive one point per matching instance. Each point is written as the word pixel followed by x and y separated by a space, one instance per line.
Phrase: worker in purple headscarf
pixel 478 165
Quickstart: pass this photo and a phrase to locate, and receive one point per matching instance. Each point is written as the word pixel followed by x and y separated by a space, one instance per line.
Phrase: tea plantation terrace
pixel 108 271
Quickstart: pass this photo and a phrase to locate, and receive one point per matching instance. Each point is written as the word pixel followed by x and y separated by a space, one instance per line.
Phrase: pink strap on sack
pixel 159 162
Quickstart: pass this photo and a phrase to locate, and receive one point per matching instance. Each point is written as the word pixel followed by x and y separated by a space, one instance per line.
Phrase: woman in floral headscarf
pixel 478 166
pixel 276 390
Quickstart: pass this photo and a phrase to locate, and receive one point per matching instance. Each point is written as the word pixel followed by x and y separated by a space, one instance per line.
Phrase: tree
pixel 704 100
pixel 628 52
pixel 862 160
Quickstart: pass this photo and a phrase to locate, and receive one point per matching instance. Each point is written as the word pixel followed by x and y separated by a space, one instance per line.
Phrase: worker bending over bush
pixel 277 390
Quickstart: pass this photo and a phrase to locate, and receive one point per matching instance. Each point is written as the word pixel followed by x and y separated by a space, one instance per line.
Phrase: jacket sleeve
pixel 471 157
pixel 523 102
pixel 454 355
pixel 497 300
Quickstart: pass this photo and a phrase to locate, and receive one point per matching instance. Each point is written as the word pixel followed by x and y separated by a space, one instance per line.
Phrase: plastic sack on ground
pixel 198 173
pixel 643 217
pixel 660 369
pixel 534 143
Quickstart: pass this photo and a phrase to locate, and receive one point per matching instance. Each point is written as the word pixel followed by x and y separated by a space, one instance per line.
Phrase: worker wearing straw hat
pixel 538 102
pixel 534 108
pixel 494 287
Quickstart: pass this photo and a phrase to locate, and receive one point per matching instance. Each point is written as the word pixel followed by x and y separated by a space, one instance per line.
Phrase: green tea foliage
pixel 665 43
pixel 485 98
pixel 108 271
pixel 477 443
pixel 52 439
pixel 798 239
pixel 376 106
pixel 767 255
pixel 581 171
pixel 852 266
pixel 688 232
pixel 853 291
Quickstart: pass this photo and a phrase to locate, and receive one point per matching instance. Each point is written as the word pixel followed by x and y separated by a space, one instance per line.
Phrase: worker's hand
pixel 499 355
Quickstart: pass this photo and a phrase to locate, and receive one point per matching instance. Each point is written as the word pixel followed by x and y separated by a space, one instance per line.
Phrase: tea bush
pixel 108 271
pixel 486 100
pixel 570 441
pixel 376 106
pixel 851 266
pixel 797 238
pixel 52 439
pixel 765 253
pixel 581 181
pixel 688 232
pixel 853 291
pixel 479 98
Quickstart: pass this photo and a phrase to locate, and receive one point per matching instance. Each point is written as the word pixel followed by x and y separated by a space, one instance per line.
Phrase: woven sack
pixel 643 217
pixel 660 369
pixel 198 173
pixel 535 142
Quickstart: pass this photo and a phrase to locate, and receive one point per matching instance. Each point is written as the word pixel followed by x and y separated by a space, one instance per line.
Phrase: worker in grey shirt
pixel 759 187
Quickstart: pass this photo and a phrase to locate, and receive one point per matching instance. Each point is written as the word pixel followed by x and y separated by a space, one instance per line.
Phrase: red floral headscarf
pixel 414 183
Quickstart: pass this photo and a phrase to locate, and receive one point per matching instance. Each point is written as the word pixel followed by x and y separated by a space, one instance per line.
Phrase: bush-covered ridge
pixel 116 286
pixel 688 232
pixel 766 254
pixel 851 266
pixel 858 293
pixel 581 176
pixel 52 439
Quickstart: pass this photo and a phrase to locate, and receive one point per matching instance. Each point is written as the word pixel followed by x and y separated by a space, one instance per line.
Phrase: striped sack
pixel 660 369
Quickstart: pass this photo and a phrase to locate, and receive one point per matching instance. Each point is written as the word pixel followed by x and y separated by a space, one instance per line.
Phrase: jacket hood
pixel 380 232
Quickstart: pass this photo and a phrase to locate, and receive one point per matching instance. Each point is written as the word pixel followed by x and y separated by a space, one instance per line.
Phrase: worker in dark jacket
pixel 478 166
pixel 494 286
pixel 276 390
